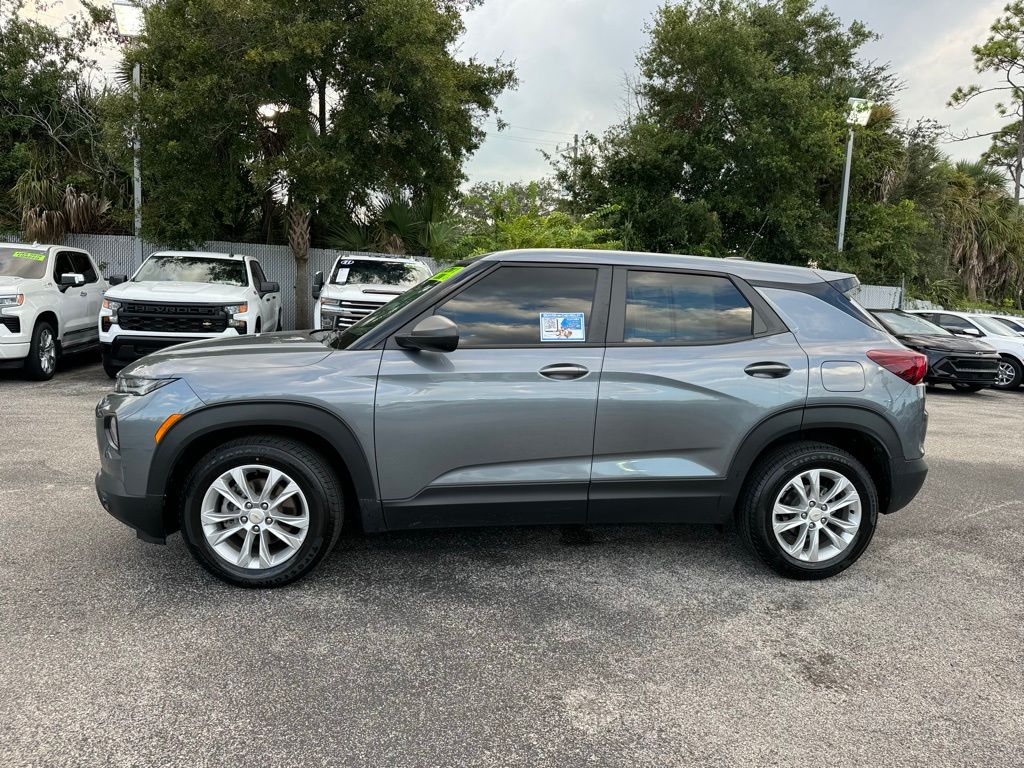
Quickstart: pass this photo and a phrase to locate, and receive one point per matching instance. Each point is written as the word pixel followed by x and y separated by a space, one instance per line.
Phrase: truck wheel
pixel 809 510
pixel 110 367
pixel 41 362
pixel 261 511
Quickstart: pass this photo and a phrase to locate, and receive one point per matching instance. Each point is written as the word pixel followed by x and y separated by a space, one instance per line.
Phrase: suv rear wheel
pixel 261 511
pixel 809 511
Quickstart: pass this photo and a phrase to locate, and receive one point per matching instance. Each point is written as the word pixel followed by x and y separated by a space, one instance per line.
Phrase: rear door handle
pixel 768 370
pixel 564 371
pixel 84 293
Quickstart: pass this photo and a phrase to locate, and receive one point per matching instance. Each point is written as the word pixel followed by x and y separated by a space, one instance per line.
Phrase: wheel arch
pixel 50 316
pixel 861 431
pixel 202 430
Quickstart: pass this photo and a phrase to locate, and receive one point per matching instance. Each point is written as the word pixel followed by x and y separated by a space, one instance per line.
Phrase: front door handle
pixel 84 293
pixel 564 371
pixel 768 370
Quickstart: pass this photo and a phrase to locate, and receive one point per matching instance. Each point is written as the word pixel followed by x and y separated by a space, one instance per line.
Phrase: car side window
pixel 676 308
pixel 524 306
pixel 952 321
pixel 257 274
pixel 64 264
pixel 84 267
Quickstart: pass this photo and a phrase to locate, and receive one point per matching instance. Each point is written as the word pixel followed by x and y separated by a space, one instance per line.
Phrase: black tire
pixel 259 325
pixel 35 367
pixel 960 387
pixel 315 477
pixel 1018 373
pixel 110 367
pixel 766 482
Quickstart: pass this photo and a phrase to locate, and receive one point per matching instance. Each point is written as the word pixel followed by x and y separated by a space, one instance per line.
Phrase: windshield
pixel 342 339
pixel 899 323
pixel 1016 325
pixel 19 262
pixel 376 273
pixel 992 326
pixel 162 268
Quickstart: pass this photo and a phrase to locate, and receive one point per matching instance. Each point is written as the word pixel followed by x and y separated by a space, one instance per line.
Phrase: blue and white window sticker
pixel 562 326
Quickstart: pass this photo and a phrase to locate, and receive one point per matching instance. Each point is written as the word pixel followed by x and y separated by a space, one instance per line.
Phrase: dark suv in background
pixel 531 387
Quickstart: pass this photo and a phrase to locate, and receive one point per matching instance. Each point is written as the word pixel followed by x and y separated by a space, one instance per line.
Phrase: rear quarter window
pixel 820 318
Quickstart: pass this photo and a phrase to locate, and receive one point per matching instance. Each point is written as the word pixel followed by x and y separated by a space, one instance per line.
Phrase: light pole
pixel 130 22
pixel 860 111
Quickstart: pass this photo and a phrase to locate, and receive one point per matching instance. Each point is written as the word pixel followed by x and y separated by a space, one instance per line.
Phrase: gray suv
pixel 526 388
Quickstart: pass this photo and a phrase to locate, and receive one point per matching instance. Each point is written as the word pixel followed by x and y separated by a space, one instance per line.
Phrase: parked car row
pixel 54 301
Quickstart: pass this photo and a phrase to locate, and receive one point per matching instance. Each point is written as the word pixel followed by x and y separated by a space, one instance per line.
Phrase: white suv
pixel 179 296
pixel 49 298
pixel 361 284
pixel 1008 343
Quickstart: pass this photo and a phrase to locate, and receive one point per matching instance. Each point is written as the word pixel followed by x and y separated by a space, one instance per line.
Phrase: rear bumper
pixel 907 478
pixel 143 513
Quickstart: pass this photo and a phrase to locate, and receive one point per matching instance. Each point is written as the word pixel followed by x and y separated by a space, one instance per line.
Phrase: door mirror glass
pixel 318 284
pixel 69 279
pixel 268 286
pixel 434 334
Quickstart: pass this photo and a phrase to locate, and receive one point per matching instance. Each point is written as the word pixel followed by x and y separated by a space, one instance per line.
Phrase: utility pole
pixel 575 158
pixel 137 167
pixel 860 111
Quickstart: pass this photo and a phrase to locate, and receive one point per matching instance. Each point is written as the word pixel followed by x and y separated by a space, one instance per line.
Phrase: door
pixel 955 324
pixel 694 362
pixel 94 288
pixel 501 430
pixel 77 321
pixel 270 303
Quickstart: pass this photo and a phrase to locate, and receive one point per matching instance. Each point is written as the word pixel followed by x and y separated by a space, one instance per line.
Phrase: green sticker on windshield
pixel 29 255
pixel 444 274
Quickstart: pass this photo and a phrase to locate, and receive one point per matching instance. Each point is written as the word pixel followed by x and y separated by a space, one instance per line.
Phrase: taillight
pixel 909 366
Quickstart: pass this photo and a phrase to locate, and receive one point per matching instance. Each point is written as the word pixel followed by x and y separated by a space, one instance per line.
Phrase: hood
pixel 288 349
pixel 945 343
pixel 363 292
pixel 172 291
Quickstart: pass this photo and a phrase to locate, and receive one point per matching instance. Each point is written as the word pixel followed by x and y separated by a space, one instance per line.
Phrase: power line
pixel 535 130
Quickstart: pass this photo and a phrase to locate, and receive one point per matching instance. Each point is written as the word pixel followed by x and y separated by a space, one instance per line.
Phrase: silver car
pixel 531 388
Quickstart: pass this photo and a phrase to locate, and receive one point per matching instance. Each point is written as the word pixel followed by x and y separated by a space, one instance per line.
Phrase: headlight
pixel 330 302
pixel 137 385
pixel 236 309
pixel 111 306
pixel 12 300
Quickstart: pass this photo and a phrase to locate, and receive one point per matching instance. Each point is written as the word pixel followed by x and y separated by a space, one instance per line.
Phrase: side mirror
pixel 117 279
pixel 318 284
pixel 434 334
pixel 71 279
pixel 971 332
pixel 268 286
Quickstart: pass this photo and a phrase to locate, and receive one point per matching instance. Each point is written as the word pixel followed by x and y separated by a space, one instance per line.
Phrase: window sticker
pixel 346 262
pixel 562 326
pixel 444 274
pixel 29 255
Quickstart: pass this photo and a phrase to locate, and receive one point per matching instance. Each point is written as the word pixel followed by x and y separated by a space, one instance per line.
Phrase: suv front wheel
pixel 261 511
pixel 809 510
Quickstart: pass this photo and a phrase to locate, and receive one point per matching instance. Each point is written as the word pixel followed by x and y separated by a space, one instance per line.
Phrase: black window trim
pixel 765 320
pixel 598 315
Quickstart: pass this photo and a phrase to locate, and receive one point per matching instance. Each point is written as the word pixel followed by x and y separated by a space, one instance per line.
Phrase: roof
pixel 748 270
pixel 203 254
pixel 382 257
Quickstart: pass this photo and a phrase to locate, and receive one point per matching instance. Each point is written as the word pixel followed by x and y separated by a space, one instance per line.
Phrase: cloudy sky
pixel 572 57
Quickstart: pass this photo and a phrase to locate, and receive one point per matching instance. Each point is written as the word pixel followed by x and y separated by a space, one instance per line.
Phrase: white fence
pixel 115 256
pixel 878 296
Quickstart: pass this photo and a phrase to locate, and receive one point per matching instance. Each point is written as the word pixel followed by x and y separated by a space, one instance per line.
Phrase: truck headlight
pixel 232 311
pixel 112 306
pixel 137 385
pixel 12 300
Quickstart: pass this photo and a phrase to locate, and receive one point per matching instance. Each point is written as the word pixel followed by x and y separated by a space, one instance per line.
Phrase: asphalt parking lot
pixel 640 647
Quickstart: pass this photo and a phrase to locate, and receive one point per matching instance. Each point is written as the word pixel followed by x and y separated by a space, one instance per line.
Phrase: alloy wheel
pixel 1005 374
pixel 816 515
pixel 255 517
pixel 47 351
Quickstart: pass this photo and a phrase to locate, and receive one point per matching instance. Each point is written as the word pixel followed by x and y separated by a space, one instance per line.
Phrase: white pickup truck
pixel 180 296
pixel 358 285
pixel 49 298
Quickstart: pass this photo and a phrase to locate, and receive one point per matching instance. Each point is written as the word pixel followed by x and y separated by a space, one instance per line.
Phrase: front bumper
pixel 13 353
pixel 908 476
pixel 962 369
pixel 143 513
pixel 127 349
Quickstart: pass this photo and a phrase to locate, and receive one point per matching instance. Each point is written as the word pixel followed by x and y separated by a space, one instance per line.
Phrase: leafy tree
pixel 367 97
pixel 1002 54
pixel 400 226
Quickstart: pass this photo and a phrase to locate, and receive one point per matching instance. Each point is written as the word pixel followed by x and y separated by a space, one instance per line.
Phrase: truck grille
pixel 973 368
pixel 172 318
pixel 349 313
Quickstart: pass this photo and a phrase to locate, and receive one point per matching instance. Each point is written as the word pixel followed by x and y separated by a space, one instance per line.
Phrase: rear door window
pixel 676 308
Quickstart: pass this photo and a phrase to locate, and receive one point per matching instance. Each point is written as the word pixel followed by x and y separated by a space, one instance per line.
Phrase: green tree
pixel 367 97
pixel 1002 54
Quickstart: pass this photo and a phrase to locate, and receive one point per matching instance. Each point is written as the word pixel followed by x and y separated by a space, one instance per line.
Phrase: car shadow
pixel 73 362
